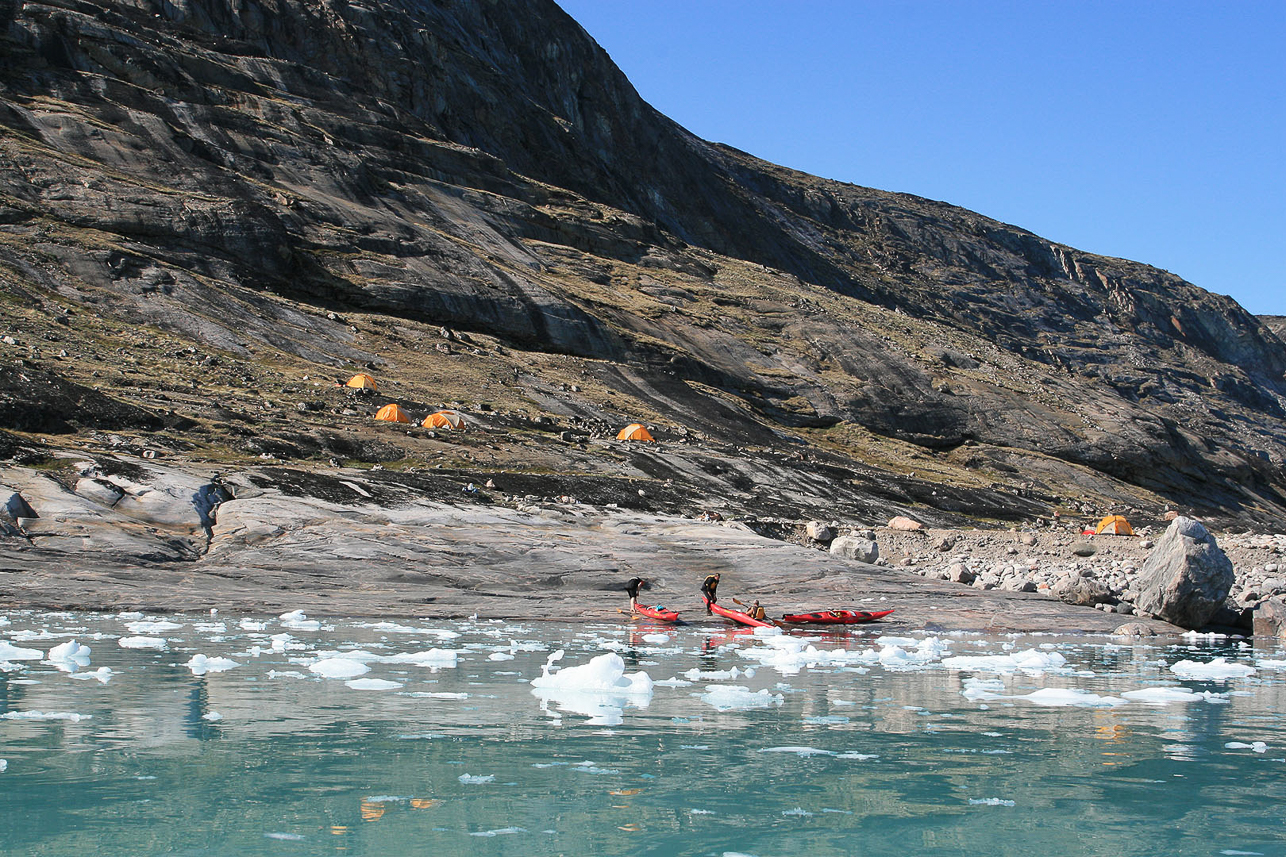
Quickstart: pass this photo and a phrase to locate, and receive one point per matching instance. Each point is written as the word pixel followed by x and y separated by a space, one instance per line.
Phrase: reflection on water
pixel 183 735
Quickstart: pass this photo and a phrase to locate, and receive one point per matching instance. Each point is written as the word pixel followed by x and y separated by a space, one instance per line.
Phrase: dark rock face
pixel 1186 577
pixel 484 166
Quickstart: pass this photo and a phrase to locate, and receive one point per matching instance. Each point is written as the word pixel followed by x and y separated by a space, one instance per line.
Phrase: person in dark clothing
pixel 708 590
pixel 633 589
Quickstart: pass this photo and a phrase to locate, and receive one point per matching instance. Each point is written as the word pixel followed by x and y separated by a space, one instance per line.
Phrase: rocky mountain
pixel 210 210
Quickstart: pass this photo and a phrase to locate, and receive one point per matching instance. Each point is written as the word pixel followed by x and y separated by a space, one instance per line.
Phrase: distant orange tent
pixel 362 381
pixel 1114 525
pixel 634 431
pixel 444 419
pixel 392 414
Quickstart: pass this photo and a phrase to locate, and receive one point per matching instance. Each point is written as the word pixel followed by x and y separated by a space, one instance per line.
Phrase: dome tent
pixel 445 419
pixel 634 431
pixel 392 414
pixel 362 381
pixel 1114 525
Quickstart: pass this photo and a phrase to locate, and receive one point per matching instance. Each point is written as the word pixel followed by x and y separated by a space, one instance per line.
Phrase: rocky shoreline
pixel 115 533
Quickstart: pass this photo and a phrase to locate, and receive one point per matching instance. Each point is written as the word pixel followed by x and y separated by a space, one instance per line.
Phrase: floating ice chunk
pixel 802 752
pixel 500 656
pixel 212 716
pixel 10 652
pixel 296 620
pixel 700 812
pixel 4 765
pixel 1269 664
pixel 252 625
pixel 476 779
pixel 503 831
pixel 735 697
pixel 71 716
pixel 990 801
pixel 1217 670
pixel 200 664
pixel 158 643
pixel 860 757
pixel 70 651
pixel 603 673
pixel 286 837
pixel 799 811
pixel 711 675
pixel 656 639
pixel 826 719
pixel 1232 853
pixel 102 674
pixel 339 668
pixel 672 682
pixel 1060 696
pixel 435 658
pixel 373 684
pixel 1028 662
pixel 1162 695
pixel 159 626
pixel 1257 746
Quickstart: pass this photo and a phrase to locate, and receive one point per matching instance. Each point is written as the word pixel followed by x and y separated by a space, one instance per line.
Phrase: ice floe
pixel 502 831
pixel 476 779
pixel 373 684
pixel 1166 695
pixel 339 668
pixel 70 716
pixel 990 801
pixel 1218 669
pixel 158 643
pixel 599 689
pixel 1257 746
pixel 297 621
pixel 1050 696
pixel 201 664
pixel 102 674
pixel 1028 662
pixel 735 697
pixel 10 652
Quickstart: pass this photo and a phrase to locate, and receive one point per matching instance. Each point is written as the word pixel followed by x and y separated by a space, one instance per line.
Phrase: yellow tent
pixel 444 419
pixel 392 414
pixel 1115 525
pixel 362 381
pixel 634 431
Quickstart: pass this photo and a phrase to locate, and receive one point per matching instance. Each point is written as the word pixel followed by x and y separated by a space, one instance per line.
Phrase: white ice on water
pixel 1048 696
pixel 1219 669
pixel 70 716
pixel 1028 662
pixel 69 656
pixel 297 621
pixel 10 652
pixel 738 698
pixel 339 668
pixel 1257 746
pixel 502 831
pixel 476 779
pixel 201 664
pixel 158 643
pixel 599 689
pixel 373 684
pixel 102 674
pixel 1166 695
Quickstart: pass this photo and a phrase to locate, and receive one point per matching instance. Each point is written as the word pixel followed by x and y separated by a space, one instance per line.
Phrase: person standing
pixel 633 589
pixel 708 590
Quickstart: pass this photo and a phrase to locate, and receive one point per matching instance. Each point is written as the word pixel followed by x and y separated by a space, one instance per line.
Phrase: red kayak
pixel 736 615
pixel 658 613
pixel 834 617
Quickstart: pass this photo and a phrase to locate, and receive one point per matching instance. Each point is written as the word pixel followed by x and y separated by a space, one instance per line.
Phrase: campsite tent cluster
pixel 454 421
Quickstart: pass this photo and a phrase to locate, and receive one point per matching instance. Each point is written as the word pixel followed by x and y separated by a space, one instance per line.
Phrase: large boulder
pixel 856 547
pixel 1269 618
pixel 1186 577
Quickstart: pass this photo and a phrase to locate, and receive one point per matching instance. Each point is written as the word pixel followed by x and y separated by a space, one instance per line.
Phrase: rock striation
pixel 206 205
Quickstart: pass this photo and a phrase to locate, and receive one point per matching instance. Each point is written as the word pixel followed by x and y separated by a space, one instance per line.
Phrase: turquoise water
pixel 864 745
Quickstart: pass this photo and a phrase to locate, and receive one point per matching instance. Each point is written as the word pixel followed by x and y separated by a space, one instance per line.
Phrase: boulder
pixel 1028 539
pixel 959 573
pixel 13 505
pixel 1269 619
pixel 1084 549
pixel 819 532
pixel 855 547
pixel 901 522
pixel 1083 591
pixel 1134 629
pixel 1186 577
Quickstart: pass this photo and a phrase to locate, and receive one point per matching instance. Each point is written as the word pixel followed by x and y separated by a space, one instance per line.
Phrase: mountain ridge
pixel 232 174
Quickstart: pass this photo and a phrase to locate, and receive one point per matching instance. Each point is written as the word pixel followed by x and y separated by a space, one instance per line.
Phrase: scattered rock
pixel 1269 619
pixel 1134 629
pixel 817 531
pixel 1084 549
pixel 1084 591
pixel 1187 577
pixel 856 547
pixel 901 522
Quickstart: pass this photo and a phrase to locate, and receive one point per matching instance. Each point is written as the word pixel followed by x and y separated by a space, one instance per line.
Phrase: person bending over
pixel 708 590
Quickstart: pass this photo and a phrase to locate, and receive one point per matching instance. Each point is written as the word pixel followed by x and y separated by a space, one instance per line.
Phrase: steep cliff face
pixel 230 171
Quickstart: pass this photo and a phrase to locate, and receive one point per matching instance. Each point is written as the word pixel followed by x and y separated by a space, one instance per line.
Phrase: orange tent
pixel 634 431
pixel 1114 525
pixel 392 414
pixel 362 381
pixel 444 419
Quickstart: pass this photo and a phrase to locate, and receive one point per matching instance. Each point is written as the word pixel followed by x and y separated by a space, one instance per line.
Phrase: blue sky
pixel 1154 131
